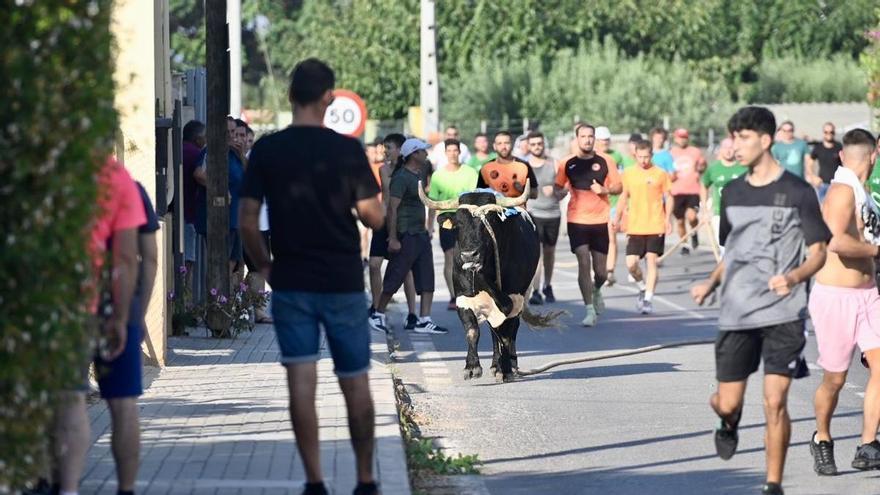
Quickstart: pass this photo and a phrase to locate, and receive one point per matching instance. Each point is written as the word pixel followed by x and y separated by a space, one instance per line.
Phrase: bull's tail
pixel 542 321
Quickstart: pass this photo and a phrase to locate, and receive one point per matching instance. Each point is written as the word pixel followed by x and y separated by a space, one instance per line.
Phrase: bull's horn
pixel 449 204
pixel 511 202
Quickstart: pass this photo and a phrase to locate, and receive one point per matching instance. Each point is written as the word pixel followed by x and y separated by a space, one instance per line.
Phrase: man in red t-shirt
pixel 689 165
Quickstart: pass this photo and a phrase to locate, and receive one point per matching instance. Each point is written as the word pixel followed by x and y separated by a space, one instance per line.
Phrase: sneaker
pixel 867 456
pixel 726 440
pixel 315 489
pixel 536 299
pixel 428 326
pixel 411 321
pixel 640 301
pixel 611 279
pixel 598 301
pixel 772 489
pixel 695 241
pixel 591 317
pixel 366 489
pixel 685 250
pixel 378 322
pixel 451 306
pixel 548 295
pixel 647 307
pixel 823 456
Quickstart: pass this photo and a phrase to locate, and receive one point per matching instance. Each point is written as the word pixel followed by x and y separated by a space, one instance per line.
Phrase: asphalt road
pixel 634 425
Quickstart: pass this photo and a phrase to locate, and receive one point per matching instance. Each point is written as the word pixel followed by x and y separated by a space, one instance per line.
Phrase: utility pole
pixel 216 41
pixel 233 17
pixel 429 90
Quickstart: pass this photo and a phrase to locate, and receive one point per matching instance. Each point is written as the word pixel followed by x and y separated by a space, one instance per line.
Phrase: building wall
pixel 135 29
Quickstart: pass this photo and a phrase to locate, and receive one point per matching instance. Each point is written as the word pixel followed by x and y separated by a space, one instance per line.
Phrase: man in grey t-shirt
pixel 545 214
pixel 775 240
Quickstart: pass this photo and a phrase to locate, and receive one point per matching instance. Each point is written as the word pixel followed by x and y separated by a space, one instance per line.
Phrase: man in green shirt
pixel 717 175
pixel 447 183
pixel 481 155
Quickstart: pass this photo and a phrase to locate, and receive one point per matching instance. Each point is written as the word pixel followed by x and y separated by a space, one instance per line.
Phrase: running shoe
pixel 630 278
pixel 772 489
pixel 598 301
pixel 867 456
pixel 548 295
pixel 685 250
pixel 536 299
pixel 411 321
pixel 378 322
pixel 428 326
pixel 647 307
pixel 640 301
pixel 823 456
pixel 315 489
pixel 726 439
pixel 611 279
pixel 451 306
pixel 591 318
pixel 366 489
pixel 695 241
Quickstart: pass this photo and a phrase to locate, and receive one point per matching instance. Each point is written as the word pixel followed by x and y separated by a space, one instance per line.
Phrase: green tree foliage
pixel 871 65
pixel 838 78
pixel 56 71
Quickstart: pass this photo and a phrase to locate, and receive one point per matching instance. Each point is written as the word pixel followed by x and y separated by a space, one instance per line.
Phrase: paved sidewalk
pixel 215 421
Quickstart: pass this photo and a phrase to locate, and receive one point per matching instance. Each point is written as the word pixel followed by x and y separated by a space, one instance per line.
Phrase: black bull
pixel 494 262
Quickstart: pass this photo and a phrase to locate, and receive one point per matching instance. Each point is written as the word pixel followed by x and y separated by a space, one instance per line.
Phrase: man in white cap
pixel 409 244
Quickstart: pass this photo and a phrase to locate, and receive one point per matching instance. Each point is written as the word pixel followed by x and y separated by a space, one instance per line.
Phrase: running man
pixel 689 164
pixel 603 148
pixel 827 154
pixel 591 178
pixel 481 155
pixel 646 194
pixel 408 242
pixel 845 305
pixel 718 174
pixel 769 218
pixel 662 158
pixel 448 182
pixel 545 215
pixel 316 269
pixel 507 174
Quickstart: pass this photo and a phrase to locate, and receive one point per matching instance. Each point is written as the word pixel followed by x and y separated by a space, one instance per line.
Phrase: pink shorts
pixel 844 317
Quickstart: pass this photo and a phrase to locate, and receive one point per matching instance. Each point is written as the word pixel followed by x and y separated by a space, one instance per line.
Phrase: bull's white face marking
pixel 485 308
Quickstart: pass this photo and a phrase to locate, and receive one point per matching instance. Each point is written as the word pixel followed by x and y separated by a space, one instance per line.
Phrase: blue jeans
pixel 299 317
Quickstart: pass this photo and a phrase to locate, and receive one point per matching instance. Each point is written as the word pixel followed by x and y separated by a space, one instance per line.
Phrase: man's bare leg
pixel 778 432
pixel 426 302
pixel 871 413
pixel 126 440
pixel 447 272
pixel 652 273
pixel 727 401
pixel 612 254
pixel 409 290
pixel 632 264
pixel 72 435
pixel 361 422
pixel 825 402
pixel 302 381
pixel 549 256
pixel 375 268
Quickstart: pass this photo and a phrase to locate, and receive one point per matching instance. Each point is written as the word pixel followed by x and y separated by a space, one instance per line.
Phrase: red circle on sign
pixel 362 107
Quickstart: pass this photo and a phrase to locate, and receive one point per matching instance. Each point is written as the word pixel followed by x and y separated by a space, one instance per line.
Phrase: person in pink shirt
pixel 121 212
pixel 689 164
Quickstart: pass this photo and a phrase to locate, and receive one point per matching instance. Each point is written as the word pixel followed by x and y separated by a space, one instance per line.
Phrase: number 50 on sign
pixel 347 114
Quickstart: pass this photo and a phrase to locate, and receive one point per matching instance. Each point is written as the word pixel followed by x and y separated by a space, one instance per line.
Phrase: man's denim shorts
pixel 299 317
pixel 123 377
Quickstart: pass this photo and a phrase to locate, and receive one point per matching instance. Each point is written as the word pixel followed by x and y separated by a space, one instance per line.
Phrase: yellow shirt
pixel 646 214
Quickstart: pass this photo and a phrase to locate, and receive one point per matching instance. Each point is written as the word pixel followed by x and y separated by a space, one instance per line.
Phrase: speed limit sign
pixel 347 114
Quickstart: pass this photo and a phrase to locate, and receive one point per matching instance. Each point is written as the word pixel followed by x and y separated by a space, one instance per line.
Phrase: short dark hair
pixel 753 118
pixel 635 137
pixel 584 125
pixel 480 134
pixel 502 133
pixel 535 134
pixel 192 130
pixel 452 142
pixel 240 123
pixel 394 138
pixel 658 130
pixel 309 80
pixel 249 130
pixel 644 144
pixel 859 137
pixel 378 141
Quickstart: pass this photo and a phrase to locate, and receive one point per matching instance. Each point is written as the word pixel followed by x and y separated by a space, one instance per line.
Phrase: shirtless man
pixel 844 303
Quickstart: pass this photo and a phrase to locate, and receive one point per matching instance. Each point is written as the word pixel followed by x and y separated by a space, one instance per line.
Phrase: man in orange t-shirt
pixel 507 174
pixel 590 177
pixel 689 165
pixel 646 199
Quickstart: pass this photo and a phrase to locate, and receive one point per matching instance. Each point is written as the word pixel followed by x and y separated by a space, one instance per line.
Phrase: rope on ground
pixel 610 355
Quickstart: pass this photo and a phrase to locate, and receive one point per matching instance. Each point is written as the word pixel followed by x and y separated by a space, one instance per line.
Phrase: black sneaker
pixel 726 439
pixel 315 489
pixel 536 299
pixel 772 489
pixel 548 295
pixel 411 321
pixel 428 326
pixel 867 456
pixel 366 489
pixel 823 456
pixel 695 241
pixel 685 250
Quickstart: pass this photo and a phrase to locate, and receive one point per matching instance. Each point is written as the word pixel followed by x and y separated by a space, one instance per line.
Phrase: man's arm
pixel 393 204
pixel 125 250
pixel 149 263
pixel 249 229
pixel 783 283
pixel 200 174
pixel 371 212
pixel 838 212
pixel 704 199
pixel 703 290
pixel 621 207
pixel 668 201
pixel 811 175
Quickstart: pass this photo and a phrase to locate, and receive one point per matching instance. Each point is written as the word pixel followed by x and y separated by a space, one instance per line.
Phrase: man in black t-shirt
pixel 312 179
pixel 827 153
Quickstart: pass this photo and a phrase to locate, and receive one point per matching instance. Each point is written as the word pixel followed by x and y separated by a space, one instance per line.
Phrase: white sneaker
pixel 591 318
pixel 640 301
pixel 378 322
pixel 428 326
pixel 598 301
pixel 647 308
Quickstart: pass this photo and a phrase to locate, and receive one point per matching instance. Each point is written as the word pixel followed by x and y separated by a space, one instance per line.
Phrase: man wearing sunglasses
pixel 827 153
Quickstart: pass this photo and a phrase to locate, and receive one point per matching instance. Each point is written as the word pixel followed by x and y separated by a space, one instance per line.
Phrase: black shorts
pixel 548 230
pixel 379 243
pixel 449 234
pixel 248 262
pixel 738 352
pixel 640 245
pixel 415 255
pixel 683 202
pixel 595 236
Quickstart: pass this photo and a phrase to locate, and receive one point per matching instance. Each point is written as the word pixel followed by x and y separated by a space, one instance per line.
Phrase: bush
pixel 56 71
pixel 796 80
